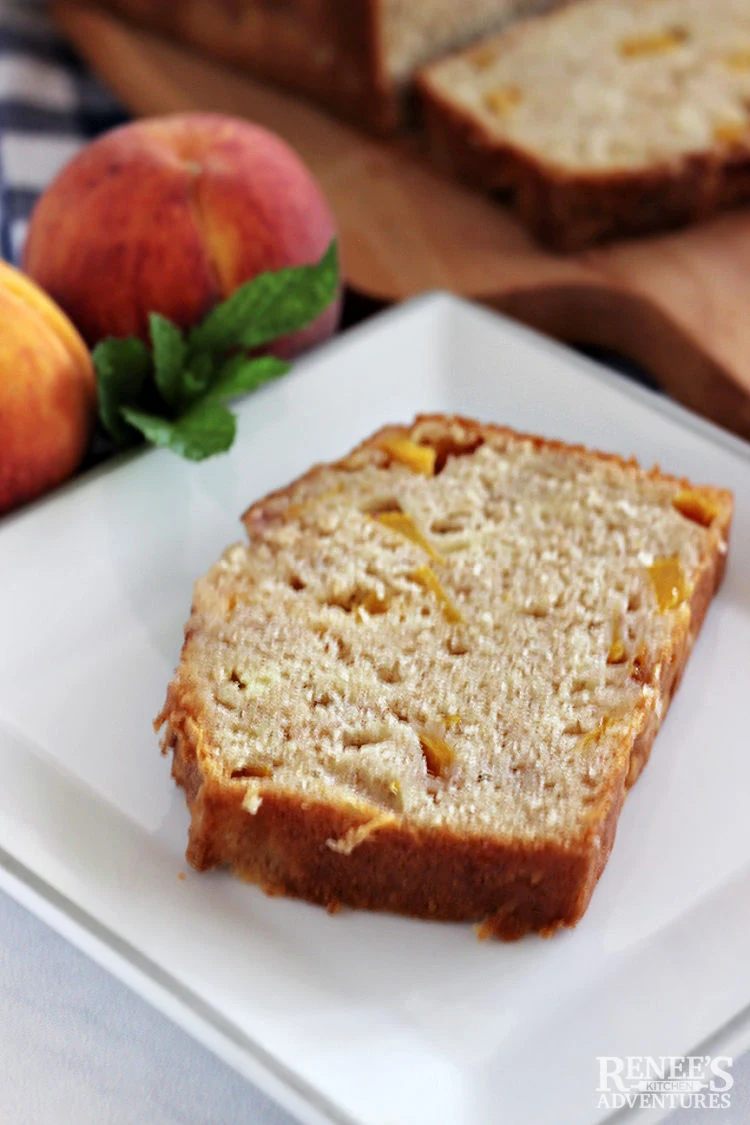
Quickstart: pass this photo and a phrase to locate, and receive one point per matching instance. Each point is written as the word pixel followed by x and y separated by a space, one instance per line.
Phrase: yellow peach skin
pixel 47 392
pixel 170 215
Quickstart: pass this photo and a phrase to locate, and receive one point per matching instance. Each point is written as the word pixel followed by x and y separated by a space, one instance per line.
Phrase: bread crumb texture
pixel 412 33
pixel 473 649
pixel 611 85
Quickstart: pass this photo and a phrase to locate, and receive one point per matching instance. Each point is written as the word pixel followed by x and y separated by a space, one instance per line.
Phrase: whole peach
pixel 170 215
pixel 47 392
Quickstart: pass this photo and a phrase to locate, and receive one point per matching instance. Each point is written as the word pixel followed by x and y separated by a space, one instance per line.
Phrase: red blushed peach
pixel 47 392
pixel 170 215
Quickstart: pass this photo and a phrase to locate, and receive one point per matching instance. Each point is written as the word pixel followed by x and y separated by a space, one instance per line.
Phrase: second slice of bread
pixel 427 680
pixel 606 118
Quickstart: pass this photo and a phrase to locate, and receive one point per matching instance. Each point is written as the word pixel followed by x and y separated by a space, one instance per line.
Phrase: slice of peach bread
pixel 426 682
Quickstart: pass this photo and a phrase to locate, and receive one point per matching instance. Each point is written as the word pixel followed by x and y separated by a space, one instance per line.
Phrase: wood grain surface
pixel 679 304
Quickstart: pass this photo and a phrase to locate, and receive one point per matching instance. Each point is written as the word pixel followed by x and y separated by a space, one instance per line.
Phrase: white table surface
pixel 78 1048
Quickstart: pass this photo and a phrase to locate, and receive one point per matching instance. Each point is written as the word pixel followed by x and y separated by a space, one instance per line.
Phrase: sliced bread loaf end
pixel 427 680
pixel 605 118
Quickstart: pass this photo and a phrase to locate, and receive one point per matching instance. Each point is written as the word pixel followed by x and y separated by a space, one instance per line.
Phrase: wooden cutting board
pixel 678 304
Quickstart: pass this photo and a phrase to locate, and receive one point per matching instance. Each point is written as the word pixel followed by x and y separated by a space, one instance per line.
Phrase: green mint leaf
pixel 192 379
pixel 197 377
pixel 169 350
pixel 122 368
pixel 269 306
pixel 239 375
pixel 206 429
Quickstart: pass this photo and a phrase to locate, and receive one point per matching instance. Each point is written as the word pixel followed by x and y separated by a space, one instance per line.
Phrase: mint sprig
pixel 174 394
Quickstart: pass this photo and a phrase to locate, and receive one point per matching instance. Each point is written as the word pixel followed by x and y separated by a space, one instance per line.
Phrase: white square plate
pixel 362 1018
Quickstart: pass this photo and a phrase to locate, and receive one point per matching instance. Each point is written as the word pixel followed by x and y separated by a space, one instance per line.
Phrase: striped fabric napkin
pixel 50 105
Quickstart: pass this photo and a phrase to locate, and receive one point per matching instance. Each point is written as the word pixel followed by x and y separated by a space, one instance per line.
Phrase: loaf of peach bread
pixel 356 57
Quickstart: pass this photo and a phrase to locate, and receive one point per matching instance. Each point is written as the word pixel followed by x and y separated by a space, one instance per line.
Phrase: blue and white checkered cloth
pixel 50 105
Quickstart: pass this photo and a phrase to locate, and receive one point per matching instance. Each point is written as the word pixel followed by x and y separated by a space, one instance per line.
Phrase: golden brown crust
pixel 432 873
pixel 567 210
pixel 428 874
pixel 326 49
